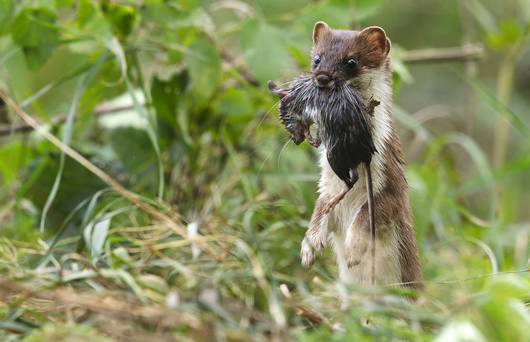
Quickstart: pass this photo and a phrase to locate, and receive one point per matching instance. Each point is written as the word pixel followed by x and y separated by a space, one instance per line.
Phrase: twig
pixel 25 128
pixel 468 52
pixel 306 312
pixel 241 69
pixel 120 189
pixel 231 61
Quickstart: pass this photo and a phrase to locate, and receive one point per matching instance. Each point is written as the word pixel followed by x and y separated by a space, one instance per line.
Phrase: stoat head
pixel 352 57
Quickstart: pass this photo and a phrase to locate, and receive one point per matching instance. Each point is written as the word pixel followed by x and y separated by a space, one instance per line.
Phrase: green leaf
pixel 95 235
pixel 509 33
pixel 122 18
pixel 484 93
pixel 482 15
pixel 280 7
pixel 265 49
pixel 365 9
pixel 62 4
pixel 235 105
pixel 34 27
pixel 460 331
pixel 7 7
pixel 166 95
pixel 204 65
pixel 504 314
pixel 134 150
pixel 35 31
pixel 85 12
pixel 37 56
pixel 338 14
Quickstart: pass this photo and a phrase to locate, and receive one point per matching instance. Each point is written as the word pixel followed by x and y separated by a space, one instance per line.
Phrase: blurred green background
pixel 169 98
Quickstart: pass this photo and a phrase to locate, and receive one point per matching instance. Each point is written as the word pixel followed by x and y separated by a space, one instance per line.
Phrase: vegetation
pixel 171 205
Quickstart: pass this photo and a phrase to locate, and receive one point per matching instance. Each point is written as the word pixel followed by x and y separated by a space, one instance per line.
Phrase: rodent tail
pixel 371 216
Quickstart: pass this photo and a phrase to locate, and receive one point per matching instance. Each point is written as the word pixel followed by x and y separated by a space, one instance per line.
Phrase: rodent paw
pixel 307 253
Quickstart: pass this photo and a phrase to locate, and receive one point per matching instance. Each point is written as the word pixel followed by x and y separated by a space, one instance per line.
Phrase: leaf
pixel 76 185
pixel 34 27
pixel 482 15
pixel 133 148
pixel 279 7
pixel 85 12
pixel 122 18
pixel 460 331
pixel 35 31
pixel 235 105
pixel 115 47
pixel 337 14
pixel 96 235
pixel 265 49
pixel 204 65
pixel 508 35
pixel 67 136
pixel 365 9
pixel 7 8
pixel 402 71
pixel 504 313
pixel 166 96
pixel 484 93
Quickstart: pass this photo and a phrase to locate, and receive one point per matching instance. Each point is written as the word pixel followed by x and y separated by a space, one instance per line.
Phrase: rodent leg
pixel 354 176
pixel 315 142
pixel 335 200
pixel 281 93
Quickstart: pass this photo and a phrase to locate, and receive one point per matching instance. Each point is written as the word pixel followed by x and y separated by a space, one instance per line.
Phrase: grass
pixel 189 228
pixel 233 273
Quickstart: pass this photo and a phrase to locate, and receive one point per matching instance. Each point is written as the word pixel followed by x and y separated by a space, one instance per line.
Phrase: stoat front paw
pixel 307 253
pixel 316 238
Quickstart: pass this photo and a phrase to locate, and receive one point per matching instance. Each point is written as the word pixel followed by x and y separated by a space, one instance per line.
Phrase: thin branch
pixel 469 52
pixel 25 128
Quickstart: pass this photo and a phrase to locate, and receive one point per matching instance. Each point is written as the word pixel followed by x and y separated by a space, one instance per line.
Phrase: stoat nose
pixel 323 80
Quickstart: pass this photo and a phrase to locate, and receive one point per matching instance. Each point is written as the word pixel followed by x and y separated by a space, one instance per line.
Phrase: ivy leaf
pixel 35 31
pixel 265 49
pixel 204 65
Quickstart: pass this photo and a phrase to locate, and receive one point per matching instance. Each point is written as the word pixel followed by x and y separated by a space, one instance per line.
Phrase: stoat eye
pixel 351 62
pixel 316 60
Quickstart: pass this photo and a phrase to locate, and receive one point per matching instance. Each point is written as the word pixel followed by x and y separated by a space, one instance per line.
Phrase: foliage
pixel 169 99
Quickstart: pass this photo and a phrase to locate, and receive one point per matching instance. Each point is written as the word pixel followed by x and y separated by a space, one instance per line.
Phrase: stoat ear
pixel 319 30
pixel 376 37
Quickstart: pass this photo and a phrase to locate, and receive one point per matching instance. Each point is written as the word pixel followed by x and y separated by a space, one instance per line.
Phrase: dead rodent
pixel 342 119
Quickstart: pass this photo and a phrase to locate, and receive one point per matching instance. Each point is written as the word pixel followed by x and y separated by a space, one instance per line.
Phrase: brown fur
pixel 370 47
pixel 392 209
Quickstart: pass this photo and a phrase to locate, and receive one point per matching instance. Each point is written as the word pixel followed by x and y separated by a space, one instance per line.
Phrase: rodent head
pixel 340 56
